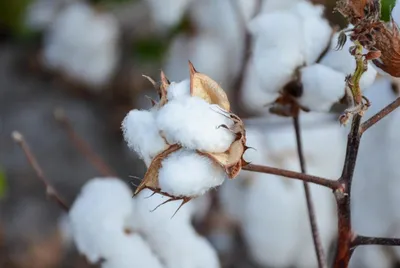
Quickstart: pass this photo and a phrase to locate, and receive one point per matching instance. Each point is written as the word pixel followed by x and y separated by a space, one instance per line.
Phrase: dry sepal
pixel 181 117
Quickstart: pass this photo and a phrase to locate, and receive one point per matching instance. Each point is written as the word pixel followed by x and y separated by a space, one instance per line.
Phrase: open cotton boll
pixel 194 123
pixel 167 13
pixel 178 90
pixel 187 173
pixel 322 87
pixel 342 61
pixel 205 50
pixel 174 239
pixel 253 97
pixel 130 251
pixel 102 210
pixel 82 43
pixel 316 30
pixel 142 135
pixel 274 35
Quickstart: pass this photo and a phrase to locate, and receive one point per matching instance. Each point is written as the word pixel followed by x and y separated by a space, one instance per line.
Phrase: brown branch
pixel 83 147
pixel 50 191
pixel 332 184
pixel 380 115
pixel 310 205
pixel 361 240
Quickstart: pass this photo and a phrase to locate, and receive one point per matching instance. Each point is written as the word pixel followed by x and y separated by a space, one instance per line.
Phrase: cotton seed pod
pixel 230 161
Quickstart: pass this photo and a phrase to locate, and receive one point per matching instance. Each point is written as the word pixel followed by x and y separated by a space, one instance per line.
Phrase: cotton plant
pixel 189 140
pixel 272 212
pixel 82 44
pixel 290 60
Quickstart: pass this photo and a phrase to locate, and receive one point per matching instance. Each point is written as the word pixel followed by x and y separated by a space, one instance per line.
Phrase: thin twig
pixel 310 205
pixel 83 147
pixel 332 184
pixel 361 240
pixel 380 115
pixel 50 191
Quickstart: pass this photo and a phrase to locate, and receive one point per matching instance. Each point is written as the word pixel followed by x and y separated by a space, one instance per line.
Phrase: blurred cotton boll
pixel 82 44
pixel 274 5
pixel 273 213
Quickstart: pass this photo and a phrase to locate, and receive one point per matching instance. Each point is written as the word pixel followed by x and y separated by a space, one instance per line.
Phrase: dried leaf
pixel 150 179
pixel 204 87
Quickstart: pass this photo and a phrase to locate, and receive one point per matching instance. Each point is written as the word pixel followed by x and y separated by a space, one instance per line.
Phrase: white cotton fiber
pixel 167 13
pixel 342 61
pixel 316 30
pixel 187 173
pixel 142 135
pixel 129 251
pixel 275 55
pixel 269 6
pixel 83 44
pixel 194 123
pixel 322 87
pixel 173 239
pixel 178 90
pixel 103 210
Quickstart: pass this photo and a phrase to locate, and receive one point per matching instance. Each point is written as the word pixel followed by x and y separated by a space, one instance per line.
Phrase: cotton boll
pixel 316 29
pixel 167 13
pixel 253 97
pixel 178 90
pixel 275 35
pixel 342 61
pixel 142 135
pixel 173 238
pixel 187 173
pixel 269 6
pixel 322 87
pixel 42 13
pixel 206 51
pixel 131 251
pixel 194 123
pixel 82 43
pixel 102 210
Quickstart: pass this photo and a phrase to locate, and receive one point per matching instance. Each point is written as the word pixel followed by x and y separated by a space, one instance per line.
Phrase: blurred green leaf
pixel 150 49
pixel 387 6
pixel 12 17
pixel 3 184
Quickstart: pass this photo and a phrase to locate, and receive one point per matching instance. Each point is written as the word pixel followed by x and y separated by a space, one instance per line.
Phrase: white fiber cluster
pixel 190 122
pixel 256 200
pixel 82 44
pixel 289 39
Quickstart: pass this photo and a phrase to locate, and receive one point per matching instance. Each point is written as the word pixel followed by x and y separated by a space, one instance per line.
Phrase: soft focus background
pixel 88 58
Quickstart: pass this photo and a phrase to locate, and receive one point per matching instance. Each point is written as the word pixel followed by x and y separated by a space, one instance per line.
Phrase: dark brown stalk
pixel 332 184
pixel 82 146
pixel 380 115
pixel 50 191
pixel 361 240
pixel 310 205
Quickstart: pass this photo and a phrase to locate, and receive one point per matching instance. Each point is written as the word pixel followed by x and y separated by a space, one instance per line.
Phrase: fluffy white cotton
pixel 173 238
pixel 167 13
pixel 42 13
pixel 178 90
pixel 142 135
pixel 276 34
pixel 102 211
pixel 342 61
pixel 316 30
pixel 82 43
pixel 396 13
pixel 253 97
pixel 194 123
pixel 129 251
pixel 322 87
pixel 269 6
pixel 187 173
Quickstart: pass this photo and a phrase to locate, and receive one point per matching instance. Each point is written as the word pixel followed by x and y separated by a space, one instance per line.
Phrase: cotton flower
pixel 195 124
pixel 142 135
pixel 199 175
pixel 82 44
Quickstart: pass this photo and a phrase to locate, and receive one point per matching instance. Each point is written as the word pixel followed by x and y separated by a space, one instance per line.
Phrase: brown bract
pixel 231 161
pixel 380 38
